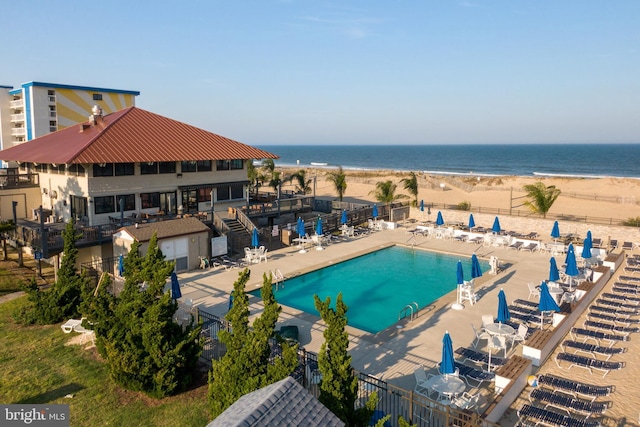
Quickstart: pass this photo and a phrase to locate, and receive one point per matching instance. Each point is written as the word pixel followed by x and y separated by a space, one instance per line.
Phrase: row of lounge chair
pixel 589 363
pixel 561 400
pixel 533 412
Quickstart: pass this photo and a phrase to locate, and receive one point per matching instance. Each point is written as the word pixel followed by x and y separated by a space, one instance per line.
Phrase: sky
pixel 268 72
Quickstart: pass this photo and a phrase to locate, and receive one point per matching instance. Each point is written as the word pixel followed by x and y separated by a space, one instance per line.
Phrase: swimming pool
pixel 378 285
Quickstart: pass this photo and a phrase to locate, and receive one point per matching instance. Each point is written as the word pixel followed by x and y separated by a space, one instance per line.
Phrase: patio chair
pixel 263 256
pixel 481 334
pixel 421 379
pixel 533 291
pixel 520 335
pixel 487 319
pixel 498 342
pixel 466 401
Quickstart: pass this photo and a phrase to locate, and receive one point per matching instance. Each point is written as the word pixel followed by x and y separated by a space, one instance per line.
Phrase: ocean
pixel 571 160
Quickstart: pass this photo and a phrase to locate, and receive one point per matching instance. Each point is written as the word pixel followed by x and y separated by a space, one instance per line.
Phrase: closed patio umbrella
pixel 374 212
pixel 447 365
pixel 255 239
pixel 319 231
pixel 547 302
pixel 587 245
pixel 439 219
pixel 460 281
pixel 503 307
pixel 231 300
pixel 175 286
pixel 496 226
pixel 421 205
pixel 343 218
pixel 472 222
pixel 476 270
pixel 555 231
pixel 121 265
pixel 554 274
pixel 571 269
pixel 300 227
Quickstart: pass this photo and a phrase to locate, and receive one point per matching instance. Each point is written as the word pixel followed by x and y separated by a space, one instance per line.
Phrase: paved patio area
pixel 392 354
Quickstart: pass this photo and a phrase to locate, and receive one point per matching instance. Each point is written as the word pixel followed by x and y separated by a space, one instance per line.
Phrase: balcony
pixel 17 118
pixel 18 103
pixel 18 131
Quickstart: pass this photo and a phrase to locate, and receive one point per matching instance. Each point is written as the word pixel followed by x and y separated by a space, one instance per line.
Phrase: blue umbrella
pixel 476 270
pixel 121 265
pixel 421 205
pixel 496 225
pixel 300 227
pixel 319 227
pixel 554 274
pixel 555 231
pixel 255 239
pixel 472 223
pixel 447 365
pixel 343 218
pixel 460 273
pixel 175 286
pixel 503 307
pixel 231 300
pixel 439 219
pixel 547 302
pixel 587 245
pixel 571 265
pixel 374 212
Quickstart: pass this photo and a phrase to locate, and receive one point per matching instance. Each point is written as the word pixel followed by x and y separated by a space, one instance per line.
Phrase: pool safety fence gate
pixel 395 401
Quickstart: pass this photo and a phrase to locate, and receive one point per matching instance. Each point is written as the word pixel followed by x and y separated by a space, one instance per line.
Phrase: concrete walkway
pixel 392 354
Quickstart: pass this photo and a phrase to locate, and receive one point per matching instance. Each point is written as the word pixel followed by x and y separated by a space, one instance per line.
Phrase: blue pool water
pixel 378 285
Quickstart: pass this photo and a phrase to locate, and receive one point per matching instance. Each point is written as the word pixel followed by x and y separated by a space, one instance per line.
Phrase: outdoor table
pixel 302 241
pixel 556 293
pixel 499 329
pixel 446 385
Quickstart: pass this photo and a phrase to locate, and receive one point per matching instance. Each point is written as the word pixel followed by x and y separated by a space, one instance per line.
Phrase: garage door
pixel 176 250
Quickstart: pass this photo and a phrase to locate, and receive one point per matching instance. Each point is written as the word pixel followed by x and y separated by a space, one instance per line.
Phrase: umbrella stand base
pixel 302 251
pixel 319 248
pixel 457 306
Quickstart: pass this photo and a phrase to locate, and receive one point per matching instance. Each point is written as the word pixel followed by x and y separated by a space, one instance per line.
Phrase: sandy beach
pixel 607 199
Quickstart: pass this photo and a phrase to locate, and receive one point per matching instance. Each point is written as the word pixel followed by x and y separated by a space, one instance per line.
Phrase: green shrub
pixel 464 206
pixel 632 222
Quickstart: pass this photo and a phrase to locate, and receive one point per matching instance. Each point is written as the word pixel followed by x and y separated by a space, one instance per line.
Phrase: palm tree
pixel 303 185
pixel 385 192
pixel 339 181
pixel 541 197
pixel 411 185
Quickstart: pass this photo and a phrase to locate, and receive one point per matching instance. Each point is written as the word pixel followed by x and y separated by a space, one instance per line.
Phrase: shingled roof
pixel 166 229
pixel 285 403
pixel 131 135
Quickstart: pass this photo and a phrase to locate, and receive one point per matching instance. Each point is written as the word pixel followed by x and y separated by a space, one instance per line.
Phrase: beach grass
pixel 38 368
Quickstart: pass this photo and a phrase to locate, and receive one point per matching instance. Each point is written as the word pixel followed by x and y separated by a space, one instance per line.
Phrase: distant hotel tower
pixel 37 108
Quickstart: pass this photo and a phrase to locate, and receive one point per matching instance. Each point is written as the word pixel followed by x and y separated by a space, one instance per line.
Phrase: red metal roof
pixel 131 135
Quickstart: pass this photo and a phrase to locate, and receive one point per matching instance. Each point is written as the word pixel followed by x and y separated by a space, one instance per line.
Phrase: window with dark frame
pixel 103 169
pixel 76 170
pixel 204 165
pixel 222 165
pixel 237 191
pixel 97 97
pixel 223 192
pixel 149 200
pixel 188 166
pixel 150 168
pixel 204 194
pixel 123 169
pixel 104 204
pixel 237 164
pixel 129 202
pixel 167 167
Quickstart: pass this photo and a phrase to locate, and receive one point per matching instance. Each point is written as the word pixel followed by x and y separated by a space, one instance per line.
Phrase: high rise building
pixel 38 108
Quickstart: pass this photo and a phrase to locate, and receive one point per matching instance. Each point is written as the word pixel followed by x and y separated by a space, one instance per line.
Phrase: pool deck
pixel 392 354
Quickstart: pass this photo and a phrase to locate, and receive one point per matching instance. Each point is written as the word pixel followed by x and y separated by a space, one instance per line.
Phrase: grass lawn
pixel 37 367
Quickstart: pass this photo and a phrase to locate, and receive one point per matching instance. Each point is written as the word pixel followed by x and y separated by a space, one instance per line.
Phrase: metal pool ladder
pixel 411 308
pixel 278 278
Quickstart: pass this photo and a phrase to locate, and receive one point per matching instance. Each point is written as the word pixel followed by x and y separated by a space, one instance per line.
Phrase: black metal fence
pixel 393 401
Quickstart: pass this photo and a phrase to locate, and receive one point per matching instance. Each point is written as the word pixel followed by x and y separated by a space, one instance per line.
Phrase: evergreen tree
pixel 339 386
pixel 248 364
pixel 135 332
pixel 63 299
